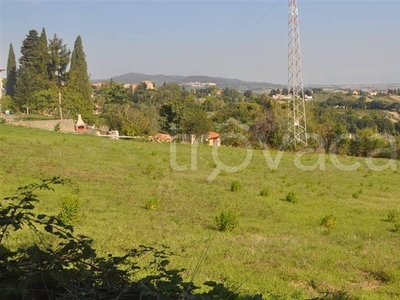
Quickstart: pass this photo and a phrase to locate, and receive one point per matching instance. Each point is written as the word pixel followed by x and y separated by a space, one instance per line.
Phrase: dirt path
pixel 395 98
pixel 393 116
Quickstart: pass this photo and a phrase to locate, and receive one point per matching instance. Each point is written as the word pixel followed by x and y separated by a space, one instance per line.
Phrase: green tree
pixel 196 122
pixel 59 60
pixel 43 38
pixel 46 102
pixel 130 120
pixel 172 113
pixel 231 95
pixel 78 83
pixel 44 60
pixel 29 76
pixel 248 94
pixel 269 127
pixel 6 103
pixel 115 93
pixel 11 72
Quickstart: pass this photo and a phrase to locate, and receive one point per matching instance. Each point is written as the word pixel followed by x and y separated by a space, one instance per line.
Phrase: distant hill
pixel 238 84
pixel 221 82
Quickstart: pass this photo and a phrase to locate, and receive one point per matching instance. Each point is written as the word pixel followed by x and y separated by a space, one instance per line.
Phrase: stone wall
pixel 65 125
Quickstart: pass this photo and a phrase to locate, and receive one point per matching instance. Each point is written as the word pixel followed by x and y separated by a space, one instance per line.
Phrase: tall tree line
pixel 47 68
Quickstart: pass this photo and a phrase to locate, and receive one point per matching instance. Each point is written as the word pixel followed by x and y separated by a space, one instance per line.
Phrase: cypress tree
pixel 43 37
pixel 44 61
pixel 11 72
pixel 79 90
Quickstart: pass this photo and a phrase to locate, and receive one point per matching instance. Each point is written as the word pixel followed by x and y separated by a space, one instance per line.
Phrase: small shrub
pixel 356 195
pixel 152 204
pixel 370 184
pixel 227 220
pixel 70 207
pixel 236 186
pixel 57 128
pixel 264 192
pixel 329 221
pixel 153 172
pixel 291 197
pixel 392 216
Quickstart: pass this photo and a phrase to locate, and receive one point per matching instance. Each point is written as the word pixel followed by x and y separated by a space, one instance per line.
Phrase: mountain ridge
pixel 232 83
pixel 221 82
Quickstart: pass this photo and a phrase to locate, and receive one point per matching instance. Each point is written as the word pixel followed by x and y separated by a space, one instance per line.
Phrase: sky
pixel 342 42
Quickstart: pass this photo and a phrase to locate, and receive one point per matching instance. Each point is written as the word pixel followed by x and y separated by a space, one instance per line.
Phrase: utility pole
pixel 59 104
pixel 60 87
pixel 297 117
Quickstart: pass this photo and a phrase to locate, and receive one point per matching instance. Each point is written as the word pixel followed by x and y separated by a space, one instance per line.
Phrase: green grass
pixel 278 249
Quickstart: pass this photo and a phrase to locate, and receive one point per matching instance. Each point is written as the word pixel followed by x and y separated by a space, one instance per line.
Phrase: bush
pixel 70 209
pixel 236 186
pixel 227 220
pixel 264 192
pixel 392 216
pixel 291 197
pixel 329 221
pixel 152 204
pixel 57 128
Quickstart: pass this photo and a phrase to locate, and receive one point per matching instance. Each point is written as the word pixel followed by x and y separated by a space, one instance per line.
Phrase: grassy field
pixel 278 249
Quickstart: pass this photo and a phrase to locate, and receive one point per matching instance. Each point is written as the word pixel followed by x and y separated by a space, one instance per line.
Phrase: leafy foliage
pixel 115 93
pixel 58 60
pixel 329 221
pixel 392 216
pixel 291 197
pixel 70 209
pixel 236 186
pixel 227 220
pixel 264 192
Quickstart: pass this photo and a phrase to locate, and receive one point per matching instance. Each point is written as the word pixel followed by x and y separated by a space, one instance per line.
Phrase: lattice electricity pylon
pixel 297 118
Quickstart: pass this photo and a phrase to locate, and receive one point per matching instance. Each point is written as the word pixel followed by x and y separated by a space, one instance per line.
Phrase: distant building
pixel 97 86
pixel 149 85
pixel 131 87
pixel 198 85
pixel 214 139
